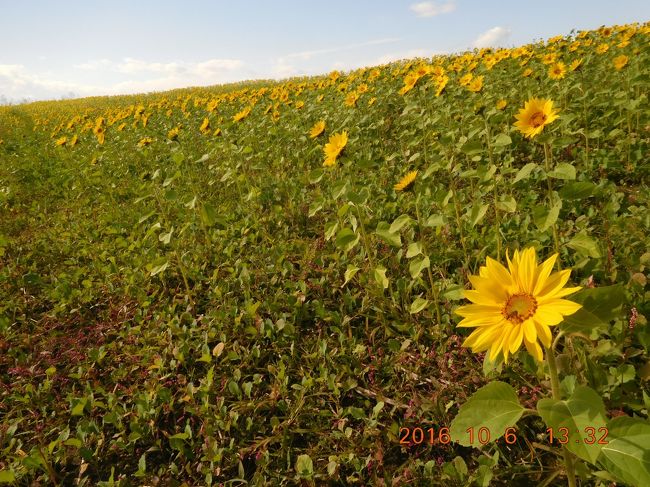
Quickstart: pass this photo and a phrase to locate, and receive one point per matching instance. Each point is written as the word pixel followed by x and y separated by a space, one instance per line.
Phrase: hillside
pixel 257 284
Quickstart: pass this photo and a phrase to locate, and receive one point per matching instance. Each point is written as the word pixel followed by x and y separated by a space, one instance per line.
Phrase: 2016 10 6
pixel 432 436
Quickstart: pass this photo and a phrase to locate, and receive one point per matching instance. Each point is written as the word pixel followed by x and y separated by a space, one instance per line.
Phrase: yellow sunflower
pixel 145 141
pixel 516 305
pixel 501 104
pixel 476 84
pixel 537 113
pixel 317 129
pixel 205 126
pixel 406 181
pixel 334 147
pixel 242 115
pixel 620 61
pixel 557 71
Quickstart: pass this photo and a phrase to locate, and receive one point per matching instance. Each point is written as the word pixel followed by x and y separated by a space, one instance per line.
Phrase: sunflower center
pixel 538 119
pixel 519 308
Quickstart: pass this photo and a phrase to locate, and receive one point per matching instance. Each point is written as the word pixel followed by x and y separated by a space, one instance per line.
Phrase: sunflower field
pixel 430 272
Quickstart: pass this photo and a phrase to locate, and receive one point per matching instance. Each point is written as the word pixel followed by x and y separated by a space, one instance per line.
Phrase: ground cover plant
pixel 431 272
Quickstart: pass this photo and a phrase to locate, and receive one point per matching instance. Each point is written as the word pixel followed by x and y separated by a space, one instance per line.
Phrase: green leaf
pixel 472 147
pixel 478 212
pixel 435 221
pixel 600 305
pixel 577 190
pixel 563 170
pixel 399 222
pixel 627 455
pixel 525 171
pixel 346 239
pixel 305 466
pixel 316 175
pixel 494 406
pixel 414 249
pixel 545 218
pixel 330 229
pixel 502 140
pixel 380 276
pixel 585 245
pixel 7 476
pixel 350 273
pixel 418 265
pixel 208 215
pixel 418 305
pixel 393 239
pixel 79 406
pixel 507 203
pixel 157 269
pixel 583 409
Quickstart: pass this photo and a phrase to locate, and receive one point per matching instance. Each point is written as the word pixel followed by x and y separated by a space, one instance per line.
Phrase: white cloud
pixel 307 55
pixel 496 36
pixel 430 9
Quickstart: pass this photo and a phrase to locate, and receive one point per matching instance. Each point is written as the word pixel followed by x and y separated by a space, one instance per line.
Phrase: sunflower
pixel 620 61
pixel 351 99
pixel 173 133
pixel 61 141
pixel 501 104
pixel 557 71
pixel 476 84
pixel 517 304
pixel 537 113
pixel 145 141
pixel 406 181
pixel 575 64
pixel 527 72
pixel 317 129
pixel 334 147
pixel 205 126
pixel 241 115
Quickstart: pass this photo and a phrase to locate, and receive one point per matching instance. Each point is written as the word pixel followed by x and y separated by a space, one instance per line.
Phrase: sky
pixel 73 48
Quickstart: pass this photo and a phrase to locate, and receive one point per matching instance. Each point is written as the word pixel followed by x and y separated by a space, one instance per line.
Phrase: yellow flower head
pixel 406 181
pixel 476 84
pixel 515 305
pixel 537 113
pixel 61 141
pixel 334 147
pixel 317 129
pixel 620 61
pixel 575 64
pixel 205 126
pixel 242 115
pixel 527 72
pixel 351 99
pixel 602 48
pixel 501 104
pixel 173 133
pixel 144 141
pixel 557 71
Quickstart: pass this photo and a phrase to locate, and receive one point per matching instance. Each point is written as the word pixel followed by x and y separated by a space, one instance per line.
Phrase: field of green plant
pixel 261 283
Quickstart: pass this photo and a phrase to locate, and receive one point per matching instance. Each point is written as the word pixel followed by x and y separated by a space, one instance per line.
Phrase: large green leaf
pixel 494 406
pixel 393 239
pixel 563 170
pixel 583 410
pixel 627 455
pixel 544 217
pixel 417 265
pixel 346 239
pixel 600 305
pixel 524 172
pixel 584 245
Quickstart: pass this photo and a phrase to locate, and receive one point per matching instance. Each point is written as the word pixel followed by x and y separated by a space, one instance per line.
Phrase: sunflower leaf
pixel 494 407
pixel 391 238
pixel 583 411
pixel 525 171
pixel 626 455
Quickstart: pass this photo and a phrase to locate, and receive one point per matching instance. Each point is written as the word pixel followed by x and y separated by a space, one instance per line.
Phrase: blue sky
pixel 52 49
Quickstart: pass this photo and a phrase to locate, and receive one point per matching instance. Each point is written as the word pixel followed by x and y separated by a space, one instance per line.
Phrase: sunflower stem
pixel 364 237
pixel 434 289
pixel 555 391
pixel 547 168
pixel 497 219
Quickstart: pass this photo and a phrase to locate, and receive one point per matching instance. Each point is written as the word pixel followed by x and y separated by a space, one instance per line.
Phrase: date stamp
pixel 429 435
pixel 442 436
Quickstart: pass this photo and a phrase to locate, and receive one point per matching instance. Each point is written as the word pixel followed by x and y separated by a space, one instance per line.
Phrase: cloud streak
pixel 495 37
pixel 431 9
